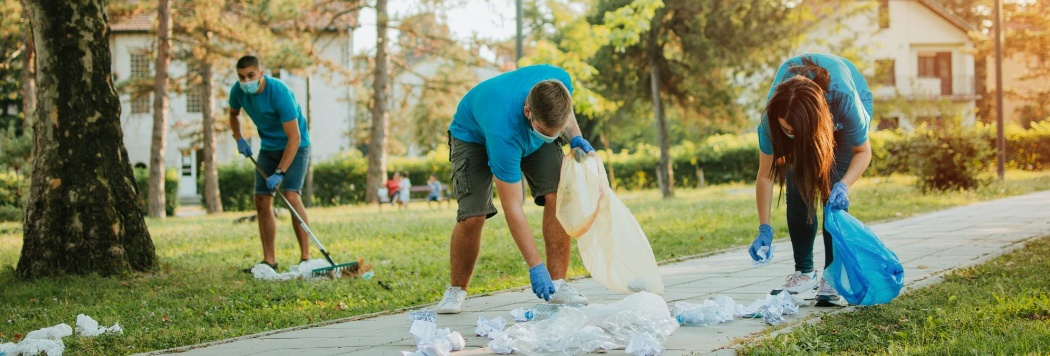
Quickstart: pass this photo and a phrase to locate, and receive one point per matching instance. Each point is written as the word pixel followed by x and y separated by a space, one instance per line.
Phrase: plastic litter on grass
pixel 304 270
pixel 48 341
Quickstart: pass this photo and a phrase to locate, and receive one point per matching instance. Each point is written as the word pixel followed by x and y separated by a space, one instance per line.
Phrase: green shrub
pixel 340 180
pixel 11 213
pixel 236 185
pixel 171 190
pixel 889 152
pixel 12 189
pixel 949 158
pixel 1028 149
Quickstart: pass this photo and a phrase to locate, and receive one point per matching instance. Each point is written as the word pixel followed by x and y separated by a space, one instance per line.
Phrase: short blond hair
pixel 550 103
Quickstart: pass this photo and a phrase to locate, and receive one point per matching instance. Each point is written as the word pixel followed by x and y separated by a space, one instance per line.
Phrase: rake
pixel 316 272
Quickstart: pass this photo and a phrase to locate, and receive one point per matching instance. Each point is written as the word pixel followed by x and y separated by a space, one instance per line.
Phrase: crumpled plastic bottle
pixel 702 315
pixel 548 311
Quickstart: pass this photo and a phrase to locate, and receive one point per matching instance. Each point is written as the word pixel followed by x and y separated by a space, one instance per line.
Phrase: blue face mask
pixel 542 137
pixel 250 87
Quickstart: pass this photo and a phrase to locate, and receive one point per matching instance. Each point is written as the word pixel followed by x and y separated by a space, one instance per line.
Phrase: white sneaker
pixel 800 282
pixel 567 294
pixel 452 302
pixel 827 296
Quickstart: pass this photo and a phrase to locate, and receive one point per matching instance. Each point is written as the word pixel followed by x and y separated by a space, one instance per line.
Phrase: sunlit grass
pixel 199 294
pixel 1001 308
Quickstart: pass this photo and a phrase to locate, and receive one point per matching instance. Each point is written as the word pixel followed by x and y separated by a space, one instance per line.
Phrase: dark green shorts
pixel 472 177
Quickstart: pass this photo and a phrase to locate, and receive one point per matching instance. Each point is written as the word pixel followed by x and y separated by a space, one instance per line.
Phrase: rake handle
pixel 302 223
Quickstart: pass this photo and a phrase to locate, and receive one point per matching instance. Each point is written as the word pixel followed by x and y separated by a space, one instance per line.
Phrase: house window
pixel 884 13
pixel 194 99
pixel 885 72
pixel 139 70
pixel 928 65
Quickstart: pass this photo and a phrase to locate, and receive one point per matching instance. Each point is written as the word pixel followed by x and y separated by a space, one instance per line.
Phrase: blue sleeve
pixel 235 93
pixel 285 105
pixel 856 117
pixel 504 158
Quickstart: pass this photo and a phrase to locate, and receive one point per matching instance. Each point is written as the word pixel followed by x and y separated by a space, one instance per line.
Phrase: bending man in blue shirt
pixel 285 148
pixel 512 127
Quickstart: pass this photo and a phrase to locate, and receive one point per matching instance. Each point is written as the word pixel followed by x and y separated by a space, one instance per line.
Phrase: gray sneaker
pixel 452 302
pixel 827 296
pixel 567 294
pixel 800 282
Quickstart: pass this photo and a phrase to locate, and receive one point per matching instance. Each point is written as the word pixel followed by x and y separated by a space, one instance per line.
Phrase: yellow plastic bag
pixel 612 245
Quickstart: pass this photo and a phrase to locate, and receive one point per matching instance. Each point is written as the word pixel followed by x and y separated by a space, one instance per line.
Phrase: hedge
pixel 949 158
pixel 171 190
pixel 12 188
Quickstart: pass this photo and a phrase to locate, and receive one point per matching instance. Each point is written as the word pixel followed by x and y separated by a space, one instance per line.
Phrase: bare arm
pixel 510 196
pixel 235 123
pixel 572 127
pixel 859 164
pixel 291 129
pixel 764 187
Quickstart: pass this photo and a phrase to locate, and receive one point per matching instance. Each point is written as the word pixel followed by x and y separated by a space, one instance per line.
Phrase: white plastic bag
pixel 612 245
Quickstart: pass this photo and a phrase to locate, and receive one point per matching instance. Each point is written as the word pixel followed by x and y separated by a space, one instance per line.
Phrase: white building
pixel 329 109
pixel 916 55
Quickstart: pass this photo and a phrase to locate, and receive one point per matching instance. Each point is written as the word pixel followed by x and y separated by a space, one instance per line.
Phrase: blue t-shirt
pixel 269 109
pixel 493 114
pixel 848 96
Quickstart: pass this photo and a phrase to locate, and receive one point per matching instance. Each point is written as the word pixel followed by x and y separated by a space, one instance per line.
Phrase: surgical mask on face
pixel 544 138
pixel 786 133
pixel 250 87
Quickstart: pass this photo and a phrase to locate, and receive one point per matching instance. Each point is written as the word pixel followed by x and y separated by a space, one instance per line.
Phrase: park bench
pixel 417 193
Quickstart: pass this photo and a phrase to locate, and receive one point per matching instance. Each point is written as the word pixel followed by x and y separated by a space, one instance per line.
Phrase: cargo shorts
pixel 472 177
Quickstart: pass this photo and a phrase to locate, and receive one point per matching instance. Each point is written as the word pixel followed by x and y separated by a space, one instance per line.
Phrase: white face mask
pixel 786 133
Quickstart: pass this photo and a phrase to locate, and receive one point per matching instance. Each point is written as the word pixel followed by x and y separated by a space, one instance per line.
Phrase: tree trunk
pixel 664 173
pixel 28 72
pixel 377 144
pixel 160 112
pixel 212 198
pixel 82 215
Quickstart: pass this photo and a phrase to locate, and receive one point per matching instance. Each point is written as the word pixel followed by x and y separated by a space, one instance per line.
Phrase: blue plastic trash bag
pixel 864 271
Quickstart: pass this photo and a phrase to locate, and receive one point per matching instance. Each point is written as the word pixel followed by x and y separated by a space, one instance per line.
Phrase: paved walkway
pixel 927 245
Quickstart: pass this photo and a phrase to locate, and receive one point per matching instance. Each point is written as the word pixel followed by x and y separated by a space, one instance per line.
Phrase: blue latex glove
pixel 243 147
pixel 274 180
pixel 839 198
pixel 764 238
pixel 541 282
pixel 579 142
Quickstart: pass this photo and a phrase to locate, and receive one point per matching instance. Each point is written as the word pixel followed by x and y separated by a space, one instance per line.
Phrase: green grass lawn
pixel 1001 308
pixel 199 294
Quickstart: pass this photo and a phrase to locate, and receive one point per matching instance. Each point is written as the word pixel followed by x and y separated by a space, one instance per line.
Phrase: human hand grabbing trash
pixel 541 281
pixel 839 197
pixel 761 249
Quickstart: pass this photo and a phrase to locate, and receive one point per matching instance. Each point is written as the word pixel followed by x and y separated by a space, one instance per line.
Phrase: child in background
pixel 435 190
pixel 406 187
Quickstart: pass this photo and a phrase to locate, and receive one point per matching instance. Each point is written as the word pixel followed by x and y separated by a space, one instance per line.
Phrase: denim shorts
pixel 293 177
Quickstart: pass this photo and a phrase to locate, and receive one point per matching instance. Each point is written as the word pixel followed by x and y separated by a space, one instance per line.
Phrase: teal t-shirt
pixel 493 114
pixel 848 96
pixel 269 109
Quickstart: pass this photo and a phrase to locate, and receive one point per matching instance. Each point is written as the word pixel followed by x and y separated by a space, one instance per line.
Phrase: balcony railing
pixel 926 86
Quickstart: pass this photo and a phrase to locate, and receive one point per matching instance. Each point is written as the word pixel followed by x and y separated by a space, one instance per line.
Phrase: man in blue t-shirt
pixel 511 127
pixel 285 148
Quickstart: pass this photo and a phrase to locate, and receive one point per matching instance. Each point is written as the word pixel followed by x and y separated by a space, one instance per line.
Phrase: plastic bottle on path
pixel 703 315
pixel 548 311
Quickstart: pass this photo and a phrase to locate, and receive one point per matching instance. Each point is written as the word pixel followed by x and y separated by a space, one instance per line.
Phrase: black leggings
pixel 802 230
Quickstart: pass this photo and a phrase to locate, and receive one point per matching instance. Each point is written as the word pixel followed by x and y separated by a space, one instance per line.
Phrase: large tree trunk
pixel 212 198
pixel 82 215
pixel 160 112
pixel 28 72
pixel 377 144
pixel 664 172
